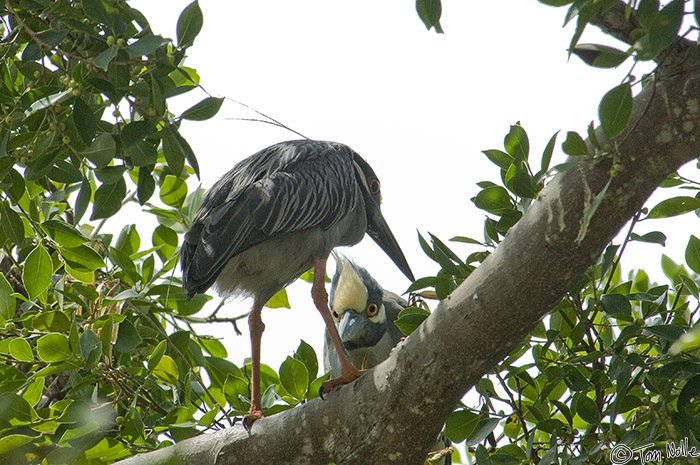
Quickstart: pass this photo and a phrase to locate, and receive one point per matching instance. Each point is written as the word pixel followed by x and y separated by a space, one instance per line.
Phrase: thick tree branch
pixel 393 413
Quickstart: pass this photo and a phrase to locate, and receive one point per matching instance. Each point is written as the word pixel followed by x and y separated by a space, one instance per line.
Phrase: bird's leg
pixel 256 327
pixel 348 371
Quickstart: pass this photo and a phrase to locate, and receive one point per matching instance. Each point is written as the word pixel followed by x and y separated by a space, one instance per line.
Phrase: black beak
pixel 357 331
pixel 378 229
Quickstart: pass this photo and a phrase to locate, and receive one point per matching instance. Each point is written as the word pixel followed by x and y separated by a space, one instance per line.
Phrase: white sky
pixel 418 106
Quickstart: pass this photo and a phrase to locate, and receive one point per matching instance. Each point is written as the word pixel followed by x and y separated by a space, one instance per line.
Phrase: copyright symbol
pixel 621 454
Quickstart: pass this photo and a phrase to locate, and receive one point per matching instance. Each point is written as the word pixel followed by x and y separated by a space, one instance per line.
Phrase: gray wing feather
pixel 285 188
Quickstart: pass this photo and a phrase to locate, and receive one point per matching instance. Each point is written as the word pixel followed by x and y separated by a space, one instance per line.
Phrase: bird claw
pixel 345 378
pixel 251 418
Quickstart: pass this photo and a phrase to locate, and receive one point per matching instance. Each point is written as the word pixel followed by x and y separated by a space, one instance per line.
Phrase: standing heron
pixel 272 217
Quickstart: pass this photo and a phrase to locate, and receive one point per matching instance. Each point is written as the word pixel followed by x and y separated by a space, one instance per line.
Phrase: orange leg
pixel 256 327
pixel 348 372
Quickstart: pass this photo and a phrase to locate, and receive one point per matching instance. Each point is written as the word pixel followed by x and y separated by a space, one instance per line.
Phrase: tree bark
pixel 393 413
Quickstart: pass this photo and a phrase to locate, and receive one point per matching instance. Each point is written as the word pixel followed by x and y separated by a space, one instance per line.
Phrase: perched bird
pixel 272 217
pixel 364 314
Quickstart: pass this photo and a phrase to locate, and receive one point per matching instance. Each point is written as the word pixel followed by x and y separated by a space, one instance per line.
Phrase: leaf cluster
pixel 98 353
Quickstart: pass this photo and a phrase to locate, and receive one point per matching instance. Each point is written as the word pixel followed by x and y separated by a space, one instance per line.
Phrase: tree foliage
pixel 100 356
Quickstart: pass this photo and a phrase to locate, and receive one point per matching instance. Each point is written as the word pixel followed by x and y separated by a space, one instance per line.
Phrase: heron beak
pixel 357 331
pixel 378 229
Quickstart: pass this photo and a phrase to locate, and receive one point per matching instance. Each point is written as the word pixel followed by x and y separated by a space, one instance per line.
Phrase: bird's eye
pixel 374 186
pixel 335 314
pixel 371 309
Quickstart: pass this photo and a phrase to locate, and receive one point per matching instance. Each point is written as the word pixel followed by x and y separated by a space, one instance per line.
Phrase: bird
pixel 272 217
pixel 365 316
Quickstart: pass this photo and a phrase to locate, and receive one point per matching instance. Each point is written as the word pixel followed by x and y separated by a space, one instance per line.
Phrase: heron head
pixel 356 302
pixel 377 227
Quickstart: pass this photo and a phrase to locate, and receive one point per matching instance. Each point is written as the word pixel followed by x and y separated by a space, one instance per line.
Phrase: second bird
pixel 272 217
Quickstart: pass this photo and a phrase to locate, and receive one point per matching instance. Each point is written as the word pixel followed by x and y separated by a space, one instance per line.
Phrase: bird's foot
pixel 251 418
pixel 345 378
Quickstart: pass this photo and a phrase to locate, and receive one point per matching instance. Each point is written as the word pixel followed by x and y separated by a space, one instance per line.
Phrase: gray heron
pixel 274 216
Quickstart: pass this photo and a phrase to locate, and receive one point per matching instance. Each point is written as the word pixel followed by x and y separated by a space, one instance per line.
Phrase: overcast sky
pixel 418 106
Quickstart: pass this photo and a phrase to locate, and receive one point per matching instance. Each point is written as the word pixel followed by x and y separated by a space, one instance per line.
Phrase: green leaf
pixel 692 253
pixel 110 174
pixel 101 151
pixel 294 377
pixel 499 158
pixel 13 441
pixel 85 121
pixel 173 192
pixel 482 455
pixel 21 350
pixel 185 148
pixel 688 341
pixel 410 318
pixel 174 155
pixel 600 56
pixel 166 370
pixel 670 333
pixel 547 155
pixel 128 338
pixel 129 240
pixel 307 355
pixel 37 272
pixel 556 3
pixel 146 186
pixel 8 302
pixel 279 300
pixel 203 110
pixel 615 109
pixel 520 182
pixel 168 241
pixel 189 24
pixel 616 304
pixel 653 237
pixel 574 144
pixel 64 172
pixel 430 12
pixel 103 60
pixel 461 424
pixel 157 355
pixel 124 262
pixel 483 429
pixel 95 10
pixel 54 321
pixel 146 45
pixel 82 258
pixel 516 142
pixel 136 131
pixel 15 410
pixel 144 154
pixel 12 224
pixel 213 346
pixel 53 347
pixel 663 28
pixel 586 409
pixel 108 200
pixel 82 201
pixel 674 206
pixel 63 233
pixel 494 200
